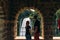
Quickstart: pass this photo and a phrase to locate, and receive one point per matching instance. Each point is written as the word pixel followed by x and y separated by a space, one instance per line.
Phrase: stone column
pixel 8 24
pixel 1 22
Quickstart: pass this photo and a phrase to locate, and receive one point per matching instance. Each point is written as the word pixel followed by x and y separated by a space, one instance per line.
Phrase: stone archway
pixel 22 10
pixel 48 8
pixel 56 23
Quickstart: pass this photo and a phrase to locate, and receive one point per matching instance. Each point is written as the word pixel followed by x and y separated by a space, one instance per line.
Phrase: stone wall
pixel 1 22
pixel 12 7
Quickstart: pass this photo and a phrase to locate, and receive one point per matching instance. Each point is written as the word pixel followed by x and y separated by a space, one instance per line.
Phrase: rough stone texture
pixel 11 7
pixel 1 22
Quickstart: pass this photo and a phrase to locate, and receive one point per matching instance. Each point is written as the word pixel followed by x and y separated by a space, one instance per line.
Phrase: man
pixel 36 28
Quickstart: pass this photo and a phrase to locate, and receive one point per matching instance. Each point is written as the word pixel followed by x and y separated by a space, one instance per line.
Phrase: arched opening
pixel 22 29
pixel 56 31
pixel 25 14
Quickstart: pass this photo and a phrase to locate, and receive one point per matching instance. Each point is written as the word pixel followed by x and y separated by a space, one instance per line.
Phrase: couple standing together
pixel 36 29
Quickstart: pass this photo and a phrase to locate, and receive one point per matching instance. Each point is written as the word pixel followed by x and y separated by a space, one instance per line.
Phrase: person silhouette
pixel 36 28
pixel 28 31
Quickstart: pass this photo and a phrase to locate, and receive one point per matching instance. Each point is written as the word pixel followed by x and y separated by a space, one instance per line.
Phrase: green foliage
pixel 58 13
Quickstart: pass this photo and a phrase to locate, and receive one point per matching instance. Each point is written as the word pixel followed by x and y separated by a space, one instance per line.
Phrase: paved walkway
pixel 19 38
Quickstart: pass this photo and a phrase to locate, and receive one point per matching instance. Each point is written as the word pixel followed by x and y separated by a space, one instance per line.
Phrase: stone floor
pixel 41 38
